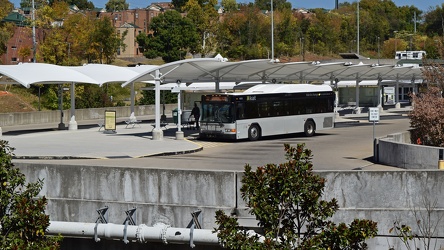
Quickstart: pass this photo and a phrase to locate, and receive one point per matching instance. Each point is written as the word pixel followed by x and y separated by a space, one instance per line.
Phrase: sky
pixel 326 4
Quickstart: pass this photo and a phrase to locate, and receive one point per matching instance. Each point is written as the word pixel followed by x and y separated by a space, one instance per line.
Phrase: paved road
pixel 343 148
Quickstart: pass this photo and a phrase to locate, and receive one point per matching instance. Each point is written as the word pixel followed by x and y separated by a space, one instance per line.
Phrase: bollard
pixel 441 164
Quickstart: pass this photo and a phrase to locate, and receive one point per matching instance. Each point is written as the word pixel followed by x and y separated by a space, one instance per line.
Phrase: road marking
pixel 209 144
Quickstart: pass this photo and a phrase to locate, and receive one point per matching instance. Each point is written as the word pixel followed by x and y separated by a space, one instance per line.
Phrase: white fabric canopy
pixel 103 73
pixel 215 70
pixel 32 73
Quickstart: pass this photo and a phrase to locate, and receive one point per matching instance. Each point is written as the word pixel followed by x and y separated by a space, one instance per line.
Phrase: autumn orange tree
pixel 427 115
pixel 286 200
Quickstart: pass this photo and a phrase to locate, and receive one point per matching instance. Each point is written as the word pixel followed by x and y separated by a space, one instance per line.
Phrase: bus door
pixel 241 123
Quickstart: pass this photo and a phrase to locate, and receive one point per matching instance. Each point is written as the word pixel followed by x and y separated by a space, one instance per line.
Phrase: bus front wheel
pixel 309 128
pixel 254 133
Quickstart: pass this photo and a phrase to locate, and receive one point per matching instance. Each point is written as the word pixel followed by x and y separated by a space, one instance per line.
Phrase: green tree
pixel 277 4
pixel 229 5
pixel 37 4
pixel 81 4
pixel 104 42
pixel 205 18
pixel 173 36
pixel 148 97
pixel 286 201
pixel 23 221
pixel 178 4
pixel 433 21
pixel 6 29
pixel 116 5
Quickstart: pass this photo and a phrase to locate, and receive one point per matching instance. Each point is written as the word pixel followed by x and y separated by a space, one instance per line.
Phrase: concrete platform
pixel 45 141
pixel 90 143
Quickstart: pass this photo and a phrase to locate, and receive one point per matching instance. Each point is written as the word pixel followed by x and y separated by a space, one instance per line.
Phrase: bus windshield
pixel 217 112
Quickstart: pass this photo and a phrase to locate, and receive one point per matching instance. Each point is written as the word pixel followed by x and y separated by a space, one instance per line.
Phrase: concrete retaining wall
pixel 396 150
pixel 169 196
pixel 53 116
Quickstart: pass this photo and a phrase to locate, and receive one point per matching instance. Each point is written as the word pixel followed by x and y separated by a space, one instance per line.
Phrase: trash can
pixel 175 115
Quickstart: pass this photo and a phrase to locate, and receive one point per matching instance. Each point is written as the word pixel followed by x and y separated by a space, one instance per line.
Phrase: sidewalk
pixel 46 142
pixel 347 115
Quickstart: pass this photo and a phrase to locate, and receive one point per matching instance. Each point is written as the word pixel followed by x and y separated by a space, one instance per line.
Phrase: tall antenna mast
pixel 357 38
pixel 33 33
pixel 272 33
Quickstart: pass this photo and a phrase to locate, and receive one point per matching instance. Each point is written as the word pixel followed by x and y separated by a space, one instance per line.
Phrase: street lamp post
pixel 379 56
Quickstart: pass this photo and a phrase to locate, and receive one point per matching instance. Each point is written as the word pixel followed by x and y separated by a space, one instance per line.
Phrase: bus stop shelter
pixel 219 70
pixel 204 70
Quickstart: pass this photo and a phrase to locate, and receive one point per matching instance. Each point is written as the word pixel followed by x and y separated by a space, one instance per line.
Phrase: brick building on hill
pixel 135 21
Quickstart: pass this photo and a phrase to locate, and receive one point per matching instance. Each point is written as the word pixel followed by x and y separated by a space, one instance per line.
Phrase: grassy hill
pixel 11 102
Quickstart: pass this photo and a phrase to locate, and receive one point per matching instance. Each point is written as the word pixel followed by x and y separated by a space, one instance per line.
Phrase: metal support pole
pixel 133 100
pixel 61 124
pixel 72 122
pixel 179 133
pixel 157 132
pixel 357 108
pixel 397 103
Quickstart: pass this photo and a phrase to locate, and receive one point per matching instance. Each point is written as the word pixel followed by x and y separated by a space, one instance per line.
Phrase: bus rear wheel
pixel 254 133
pixel 309 128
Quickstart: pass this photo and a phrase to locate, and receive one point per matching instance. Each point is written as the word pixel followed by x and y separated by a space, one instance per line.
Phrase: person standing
pixel 196 113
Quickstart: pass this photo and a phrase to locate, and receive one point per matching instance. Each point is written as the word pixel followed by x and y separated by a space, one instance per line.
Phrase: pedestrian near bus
pixel 196 113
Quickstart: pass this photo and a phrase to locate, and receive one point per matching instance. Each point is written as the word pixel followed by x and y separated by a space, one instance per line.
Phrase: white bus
pixel 268 109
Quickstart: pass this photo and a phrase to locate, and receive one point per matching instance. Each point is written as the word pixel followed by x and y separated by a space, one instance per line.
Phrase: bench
pixel 132 123
pixel 101 124
pixel 162 126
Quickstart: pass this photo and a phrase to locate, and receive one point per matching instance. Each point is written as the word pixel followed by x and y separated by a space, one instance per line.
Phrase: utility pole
pixel 34 43
pixel 272 33
pixel 357 38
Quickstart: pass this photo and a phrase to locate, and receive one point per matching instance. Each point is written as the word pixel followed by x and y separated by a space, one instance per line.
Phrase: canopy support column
pixel 379 94
pixel 398 104
pixel 336 96
pixel 157 131
pixel 179 133
pixel 61 124
pixel 133 98
pixel 73 123
pixel 414 88
pixel 357 108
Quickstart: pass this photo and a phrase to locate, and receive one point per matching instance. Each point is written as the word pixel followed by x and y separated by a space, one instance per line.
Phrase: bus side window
pixel 263 109
pixel 277 108
pixel 251 110
pixel 240 111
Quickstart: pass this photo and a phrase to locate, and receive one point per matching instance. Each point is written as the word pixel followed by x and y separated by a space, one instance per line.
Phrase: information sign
pixel 110 120
pixel 373 114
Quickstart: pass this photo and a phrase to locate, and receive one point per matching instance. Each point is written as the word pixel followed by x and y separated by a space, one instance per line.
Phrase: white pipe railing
pixel 141 233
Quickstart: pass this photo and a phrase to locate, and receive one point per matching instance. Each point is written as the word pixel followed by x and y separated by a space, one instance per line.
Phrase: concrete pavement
pixel 46 142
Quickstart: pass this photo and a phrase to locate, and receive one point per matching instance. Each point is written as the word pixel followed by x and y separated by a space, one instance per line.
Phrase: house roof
pixel 15 17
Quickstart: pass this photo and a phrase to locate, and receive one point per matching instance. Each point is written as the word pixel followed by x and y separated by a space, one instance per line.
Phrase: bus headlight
pixel 230 130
